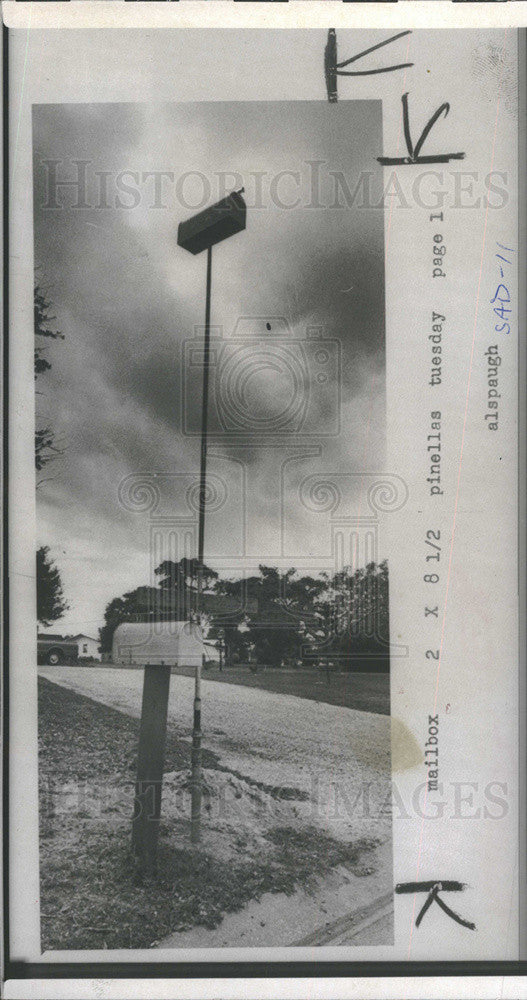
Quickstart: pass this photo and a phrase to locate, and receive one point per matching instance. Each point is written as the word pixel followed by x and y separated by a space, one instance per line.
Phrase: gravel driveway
pixel 274 738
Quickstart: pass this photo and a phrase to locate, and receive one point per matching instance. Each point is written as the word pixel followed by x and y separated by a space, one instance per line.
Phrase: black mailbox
pixel 214 224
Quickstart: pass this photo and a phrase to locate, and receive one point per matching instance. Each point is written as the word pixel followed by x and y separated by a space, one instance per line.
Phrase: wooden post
pixel 150 763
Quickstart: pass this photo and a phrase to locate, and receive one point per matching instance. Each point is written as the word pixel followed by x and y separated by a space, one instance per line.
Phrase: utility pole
pixel 195 822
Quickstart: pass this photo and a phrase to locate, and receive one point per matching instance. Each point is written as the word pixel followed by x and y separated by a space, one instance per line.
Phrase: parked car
pixel 54 650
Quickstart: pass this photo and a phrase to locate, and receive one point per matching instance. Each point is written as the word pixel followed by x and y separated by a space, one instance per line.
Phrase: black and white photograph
pixel 257 575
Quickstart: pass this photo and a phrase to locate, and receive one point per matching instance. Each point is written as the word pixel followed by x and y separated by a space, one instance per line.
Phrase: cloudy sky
pixel 123 392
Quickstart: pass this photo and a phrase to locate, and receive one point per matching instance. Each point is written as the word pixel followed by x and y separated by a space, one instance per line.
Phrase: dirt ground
pixel 287 780
pixel 333 754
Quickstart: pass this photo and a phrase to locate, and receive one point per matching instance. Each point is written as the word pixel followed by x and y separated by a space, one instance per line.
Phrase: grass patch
pixel 90 895
pixel 364 692
pixel 81 738
pixel 89 899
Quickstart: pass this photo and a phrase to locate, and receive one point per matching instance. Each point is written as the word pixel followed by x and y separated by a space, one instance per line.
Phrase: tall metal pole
pixel 195 820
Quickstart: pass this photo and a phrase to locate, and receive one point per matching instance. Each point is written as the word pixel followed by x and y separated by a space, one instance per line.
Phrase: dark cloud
pixel 128 300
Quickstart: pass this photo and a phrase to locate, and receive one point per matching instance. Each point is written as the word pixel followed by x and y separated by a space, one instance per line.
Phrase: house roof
pixel 82 635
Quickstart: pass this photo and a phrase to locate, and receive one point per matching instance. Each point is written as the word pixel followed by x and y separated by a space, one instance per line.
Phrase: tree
pixel 355 611
pixel 178 584
pixel 282 618
pixel 174 598
pixel 277 632
pixel 45 448
pixel 141 604
pixel 51 604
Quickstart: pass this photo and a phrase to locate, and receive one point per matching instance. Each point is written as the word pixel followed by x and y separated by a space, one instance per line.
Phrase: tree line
pixel 273 617
pixel 51 603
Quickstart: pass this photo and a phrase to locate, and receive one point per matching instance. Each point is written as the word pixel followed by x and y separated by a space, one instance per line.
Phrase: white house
pixel 87 646
pixel 212 653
